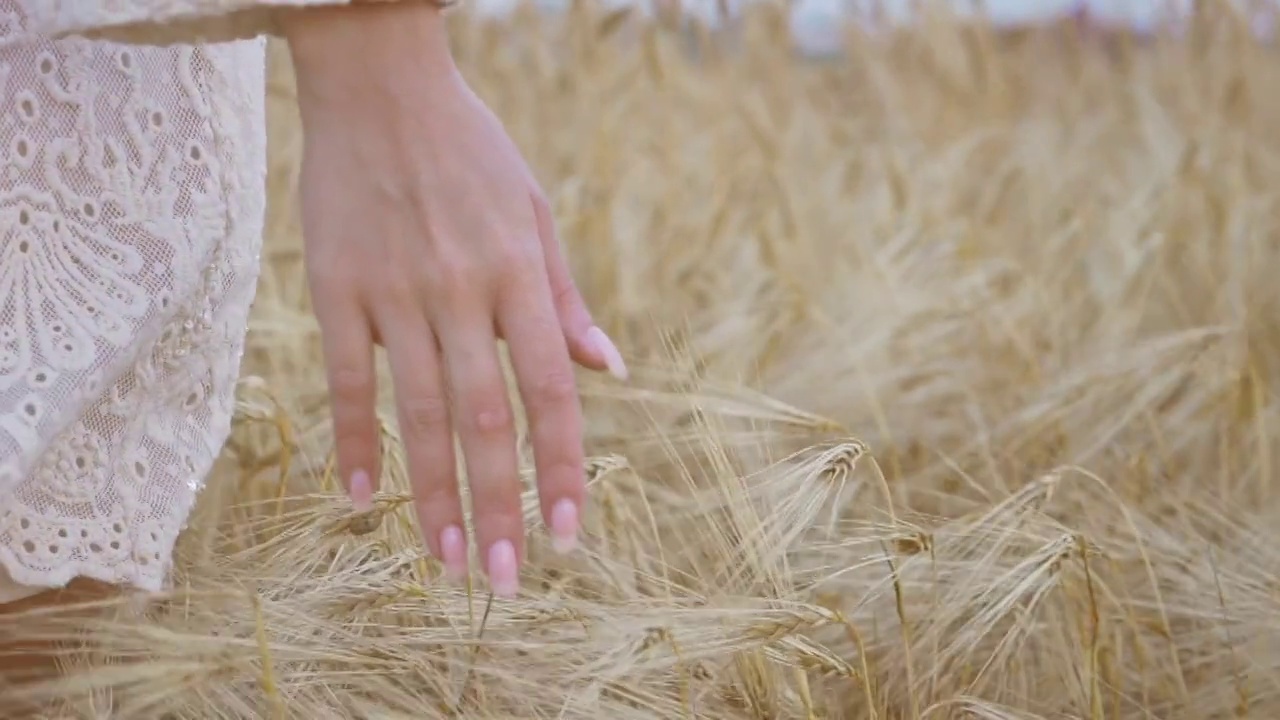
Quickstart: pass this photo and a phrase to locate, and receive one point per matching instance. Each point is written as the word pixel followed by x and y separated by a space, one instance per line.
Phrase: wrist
pixel 342 53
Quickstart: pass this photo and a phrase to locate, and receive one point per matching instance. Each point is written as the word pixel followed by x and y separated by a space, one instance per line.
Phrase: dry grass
pixel 1034 275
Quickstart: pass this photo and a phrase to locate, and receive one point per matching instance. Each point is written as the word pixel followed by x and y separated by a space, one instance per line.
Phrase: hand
pixel 427 233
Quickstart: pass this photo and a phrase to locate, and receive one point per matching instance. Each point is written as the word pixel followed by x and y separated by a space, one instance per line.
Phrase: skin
pixel 427 233
pixel 27 662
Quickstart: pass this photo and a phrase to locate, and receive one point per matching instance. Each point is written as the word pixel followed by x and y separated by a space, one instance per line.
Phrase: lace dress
pixel 131 210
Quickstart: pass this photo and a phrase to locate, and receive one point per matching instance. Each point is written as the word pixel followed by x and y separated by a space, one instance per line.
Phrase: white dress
pixel 131 211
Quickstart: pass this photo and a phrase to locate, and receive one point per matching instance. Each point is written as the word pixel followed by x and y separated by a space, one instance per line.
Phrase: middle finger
pixel 427 433
pixel 486 429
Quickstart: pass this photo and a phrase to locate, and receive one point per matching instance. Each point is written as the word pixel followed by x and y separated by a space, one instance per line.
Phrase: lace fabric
pixel 151 22
pixel 131 211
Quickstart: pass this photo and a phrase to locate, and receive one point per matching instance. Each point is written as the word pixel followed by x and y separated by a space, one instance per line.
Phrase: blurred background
pixel 954 359
pixel 816 25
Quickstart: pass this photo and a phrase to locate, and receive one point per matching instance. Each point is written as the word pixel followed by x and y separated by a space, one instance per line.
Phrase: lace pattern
pixel 131 208
pixel 166 21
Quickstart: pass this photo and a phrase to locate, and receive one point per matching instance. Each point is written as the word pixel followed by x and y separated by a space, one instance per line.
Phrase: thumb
pixel 589 346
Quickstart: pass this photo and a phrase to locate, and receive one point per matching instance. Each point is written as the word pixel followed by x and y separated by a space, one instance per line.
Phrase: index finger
pixel 544 376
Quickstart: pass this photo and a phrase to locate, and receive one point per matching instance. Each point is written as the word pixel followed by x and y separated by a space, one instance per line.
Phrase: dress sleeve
pixel 166 22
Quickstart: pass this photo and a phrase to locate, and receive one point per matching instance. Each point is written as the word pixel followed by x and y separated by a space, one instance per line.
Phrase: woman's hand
pixel 426 233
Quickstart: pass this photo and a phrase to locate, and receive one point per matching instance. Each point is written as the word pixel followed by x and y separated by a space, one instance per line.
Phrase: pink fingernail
pixel 612 358
pixel 564 526
pixel 453 553
pixel 361 491
pixel 503 573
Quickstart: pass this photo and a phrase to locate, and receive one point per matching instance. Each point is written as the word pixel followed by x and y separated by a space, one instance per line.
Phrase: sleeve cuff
pixel 169 22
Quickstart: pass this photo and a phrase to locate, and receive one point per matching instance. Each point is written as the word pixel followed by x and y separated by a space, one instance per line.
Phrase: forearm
pixel 164 22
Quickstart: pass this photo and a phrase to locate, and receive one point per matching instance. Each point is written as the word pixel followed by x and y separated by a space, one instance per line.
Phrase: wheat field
pixel 953 397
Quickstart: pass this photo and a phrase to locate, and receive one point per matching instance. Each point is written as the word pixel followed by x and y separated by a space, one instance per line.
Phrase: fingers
pixel 348 352
pixel 588 345
pixel 544 375
pixel 426 430
pixel 483 418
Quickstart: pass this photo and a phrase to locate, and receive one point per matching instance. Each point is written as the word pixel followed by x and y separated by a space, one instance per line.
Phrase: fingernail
pixel 361 491
pixel 453 553
pixel 612 358
pixel 564 526
pixel 503 573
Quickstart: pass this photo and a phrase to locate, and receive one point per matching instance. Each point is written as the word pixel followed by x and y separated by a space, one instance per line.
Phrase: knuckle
pixel 399 291
pixel 330 275
pixel 353 437
pixel 441 495
pixel 425 415
pixel 454 278
pixel 498 504
pixel 352 441
pixel 566 470
pixel 350 386
pixel 564 294
pixel 553 389
pixel 503 517
pixel 518 260
pixel 564 478
pixel 491 417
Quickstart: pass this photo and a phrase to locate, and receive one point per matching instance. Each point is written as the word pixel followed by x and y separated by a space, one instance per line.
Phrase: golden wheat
pixel 953 398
